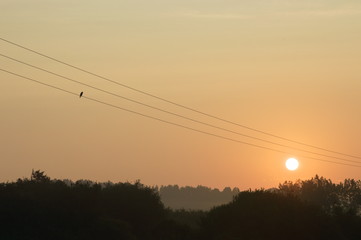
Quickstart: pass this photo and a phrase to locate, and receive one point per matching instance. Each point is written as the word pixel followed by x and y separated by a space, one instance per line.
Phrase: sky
pixel 286 67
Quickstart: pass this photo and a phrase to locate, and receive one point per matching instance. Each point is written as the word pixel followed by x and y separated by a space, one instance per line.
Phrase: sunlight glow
pixel 292 164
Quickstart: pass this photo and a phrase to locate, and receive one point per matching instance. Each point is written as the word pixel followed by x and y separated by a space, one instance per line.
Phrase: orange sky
pixel 287 67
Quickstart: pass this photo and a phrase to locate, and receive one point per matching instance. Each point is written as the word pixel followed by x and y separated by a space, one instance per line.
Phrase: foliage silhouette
pixel 44 208
pixel 335 199
pixel 267 215
pixel 40 208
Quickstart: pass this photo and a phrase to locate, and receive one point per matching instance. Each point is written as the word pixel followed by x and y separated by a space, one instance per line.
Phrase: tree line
pixel 42 208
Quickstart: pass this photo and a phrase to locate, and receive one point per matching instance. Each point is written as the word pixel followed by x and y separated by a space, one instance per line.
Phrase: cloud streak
pixel 225 16
pixel 251 15
pixel 324 13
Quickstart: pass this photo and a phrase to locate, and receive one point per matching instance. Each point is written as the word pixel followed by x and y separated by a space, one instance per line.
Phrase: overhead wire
pixel 172 113
pixel 169 122
pixel 174 103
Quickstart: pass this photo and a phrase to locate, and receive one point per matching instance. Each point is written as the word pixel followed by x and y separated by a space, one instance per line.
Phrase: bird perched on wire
pixel 81 94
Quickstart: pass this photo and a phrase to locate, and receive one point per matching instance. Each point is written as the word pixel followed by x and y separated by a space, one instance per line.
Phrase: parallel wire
pixel 174 114
pixel 174 103
pixel 172 123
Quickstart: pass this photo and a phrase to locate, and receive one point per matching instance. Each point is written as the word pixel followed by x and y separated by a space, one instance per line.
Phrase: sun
pixel 292 164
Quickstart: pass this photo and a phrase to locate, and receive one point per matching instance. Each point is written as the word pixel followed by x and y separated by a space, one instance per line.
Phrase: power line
pixel 174 114
pixel 172 123
pixel 174 103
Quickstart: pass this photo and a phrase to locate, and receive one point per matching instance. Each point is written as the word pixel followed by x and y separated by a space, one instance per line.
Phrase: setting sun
pixel 292 164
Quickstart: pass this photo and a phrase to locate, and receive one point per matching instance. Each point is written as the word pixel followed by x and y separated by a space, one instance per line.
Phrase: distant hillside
pixel 195 198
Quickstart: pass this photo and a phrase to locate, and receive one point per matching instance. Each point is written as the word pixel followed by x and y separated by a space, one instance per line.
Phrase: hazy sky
pixel 287 67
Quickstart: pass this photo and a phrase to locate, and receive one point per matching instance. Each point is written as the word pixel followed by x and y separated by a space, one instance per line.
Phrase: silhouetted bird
pixel 81 94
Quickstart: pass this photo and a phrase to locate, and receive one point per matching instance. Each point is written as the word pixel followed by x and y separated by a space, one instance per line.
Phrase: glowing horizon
pixel 284 67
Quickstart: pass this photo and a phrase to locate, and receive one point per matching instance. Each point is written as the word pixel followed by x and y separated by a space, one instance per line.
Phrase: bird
pixel 81 94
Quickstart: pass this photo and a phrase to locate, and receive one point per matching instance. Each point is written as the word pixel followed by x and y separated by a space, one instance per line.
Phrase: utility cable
pixel 174 103
pixel 174 114
pixel 172 123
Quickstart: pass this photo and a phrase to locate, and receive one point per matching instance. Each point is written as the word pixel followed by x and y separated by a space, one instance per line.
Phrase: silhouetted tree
pixel 43 208
pixel 266 215
pixel 39 176
pixel 342 198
